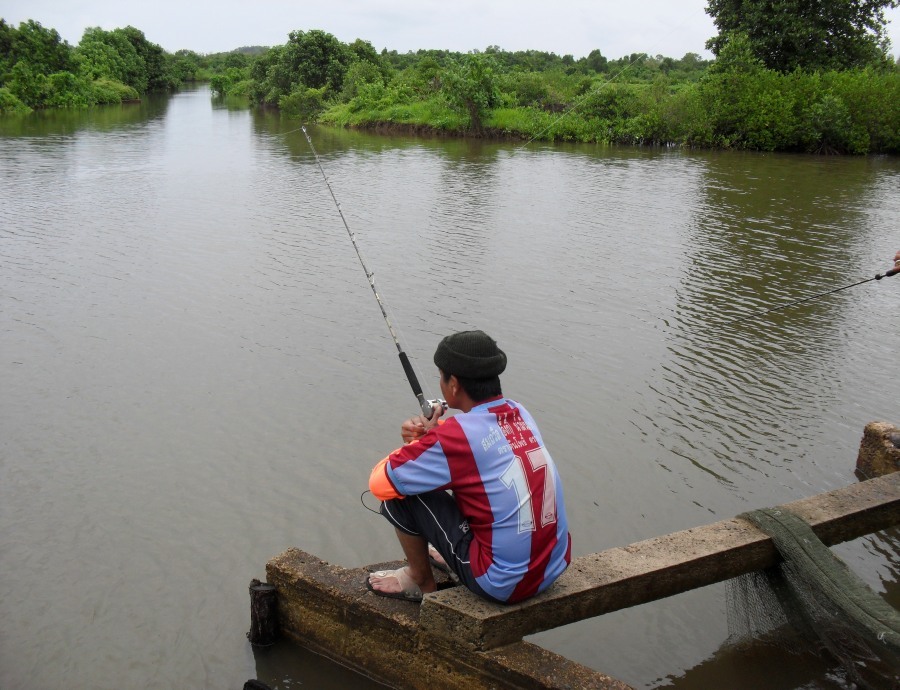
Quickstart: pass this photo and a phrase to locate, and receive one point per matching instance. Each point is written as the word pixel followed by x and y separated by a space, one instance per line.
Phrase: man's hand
pixel 896 269
pixel 415 427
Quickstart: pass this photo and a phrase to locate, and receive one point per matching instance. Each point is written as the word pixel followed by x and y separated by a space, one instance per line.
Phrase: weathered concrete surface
pixel 656 568
pixel 879 450
pixel 328 609
pixel 456 640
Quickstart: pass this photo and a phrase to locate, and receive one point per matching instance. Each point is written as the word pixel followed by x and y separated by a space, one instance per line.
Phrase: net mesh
pixel 812 593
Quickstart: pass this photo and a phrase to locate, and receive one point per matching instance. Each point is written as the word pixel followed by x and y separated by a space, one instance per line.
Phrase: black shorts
pixel 435 517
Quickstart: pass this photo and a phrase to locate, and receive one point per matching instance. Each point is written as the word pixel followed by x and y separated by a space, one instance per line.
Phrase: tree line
pixel 38 69
pixel 750 97
pixel 817 80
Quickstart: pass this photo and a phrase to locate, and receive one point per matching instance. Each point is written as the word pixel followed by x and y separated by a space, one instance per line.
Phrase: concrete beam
pixel 656 568
pixel 328 610
pixel 456 640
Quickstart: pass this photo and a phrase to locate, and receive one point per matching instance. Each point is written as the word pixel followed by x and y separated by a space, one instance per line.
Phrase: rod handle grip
pixel 894 271
pixel 410 375
pixel 424 404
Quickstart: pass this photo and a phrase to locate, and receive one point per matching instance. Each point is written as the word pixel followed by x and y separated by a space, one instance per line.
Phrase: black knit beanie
pixel 471 355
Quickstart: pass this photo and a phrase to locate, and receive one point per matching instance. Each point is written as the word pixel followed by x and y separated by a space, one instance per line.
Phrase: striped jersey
pixel 506 486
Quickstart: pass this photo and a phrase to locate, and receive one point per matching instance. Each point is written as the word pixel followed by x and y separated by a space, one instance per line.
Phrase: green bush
pixel 223 84
pixel 471 87
pixel 528 89
pixel 303 103
pixel 872 99
pixel 27 84
pixel 10 103
pixel 687 119
pixel 66 90
pixel 359 75
pixel 750 108
pixel 110 91
pixel 241 89
pixel 612 101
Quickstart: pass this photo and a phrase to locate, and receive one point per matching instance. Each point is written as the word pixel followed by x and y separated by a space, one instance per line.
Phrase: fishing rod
pixel 877 276
pixel 427 406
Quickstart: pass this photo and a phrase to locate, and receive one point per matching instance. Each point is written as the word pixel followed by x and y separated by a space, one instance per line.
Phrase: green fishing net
pixel 813 594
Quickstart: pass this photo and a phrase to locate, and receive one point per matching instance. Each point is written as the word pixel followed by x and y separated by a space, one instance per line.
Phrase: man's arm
pixel 411 431
pixel 380 484
pixel 416 467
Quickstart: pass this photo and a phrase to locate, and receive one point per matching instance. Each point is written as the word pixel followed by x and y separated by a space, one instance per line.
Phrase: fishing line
pixel 877 276
pixel 427 406
pixel 363 501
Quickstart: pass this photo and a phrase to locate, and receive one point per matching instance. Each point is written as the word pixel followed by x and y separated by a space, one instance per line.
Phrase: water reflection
pixel 103 118
pixel 750 667
pixel 801 664
pixel 191 348
pixel 286 665
pixel 766 231
pixel 771 228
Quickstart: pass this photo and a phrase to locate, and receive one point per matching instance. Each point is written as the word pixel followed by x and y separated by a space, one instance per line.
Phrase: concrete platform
pixel 328 609
pixel 454 639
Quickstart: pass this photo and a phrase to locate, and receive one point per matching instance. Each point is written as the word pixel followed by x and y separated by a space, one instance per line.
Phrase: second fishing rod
pixel 427 406
pixel 877 276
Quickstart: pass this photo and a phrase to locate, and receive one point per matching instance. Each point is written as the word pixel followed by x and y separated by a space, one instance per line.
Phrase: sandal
pixel 438 563
pixel 409 589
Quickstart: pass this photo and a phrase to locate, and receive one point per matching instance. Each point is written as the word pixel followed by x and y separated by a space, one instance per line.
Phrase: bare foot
pixel 399 584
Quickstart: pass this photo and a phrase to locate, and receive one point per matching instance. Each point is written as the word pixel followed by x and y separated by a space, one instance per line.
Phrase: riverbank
pixel 852 112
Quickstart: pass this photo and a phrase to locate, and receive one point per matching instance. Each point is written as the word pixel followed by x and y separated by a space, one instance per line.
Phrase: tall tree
pixel 810 34
pixel 596 61
pixel 316 58
pixel 470 87
pixel 7 37
pixel 153 58
pixel 43 49
pixel 363 52
pixel 110 55
pixel 309 60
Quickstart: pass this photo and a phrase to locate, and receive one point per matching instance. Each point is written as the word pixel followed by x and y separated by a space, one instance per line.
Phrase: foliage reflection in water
pixel 196 377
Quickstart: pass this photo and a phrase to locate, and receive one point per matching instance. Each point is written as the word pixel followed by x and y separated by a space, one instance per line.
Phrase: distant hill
pixel 251 50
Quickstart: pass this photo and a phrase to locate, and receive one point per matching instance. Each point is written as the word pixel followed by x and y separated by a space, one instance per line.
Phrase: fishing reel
pixel 428 406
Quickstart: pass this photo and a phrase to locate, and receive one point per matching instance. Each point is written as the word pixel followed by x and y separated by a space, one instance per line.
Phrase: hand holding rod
pixel 894 271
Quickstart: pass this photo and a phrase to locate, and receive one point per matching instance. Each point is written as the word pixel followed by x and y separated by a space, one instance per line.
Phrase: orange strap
pixel 380 485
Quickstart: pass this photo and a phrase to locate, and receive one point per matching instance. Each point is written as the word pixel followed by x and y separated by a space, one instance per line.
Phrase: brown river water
pixel 196 376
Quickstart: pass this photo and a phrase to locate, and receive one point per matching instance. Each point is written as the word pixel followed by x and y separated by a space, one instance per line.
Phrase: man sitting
pixel 503 531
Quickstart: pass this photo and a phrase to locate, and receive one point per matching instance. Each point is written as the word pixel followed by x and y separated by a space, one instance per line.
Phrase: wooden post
pixel 256 685
pixel 263 614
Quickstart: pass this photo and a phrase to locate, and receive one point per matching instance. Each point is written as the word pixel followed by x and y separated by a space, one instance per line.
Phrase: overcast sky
pixel 657 27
